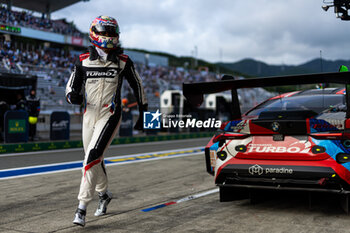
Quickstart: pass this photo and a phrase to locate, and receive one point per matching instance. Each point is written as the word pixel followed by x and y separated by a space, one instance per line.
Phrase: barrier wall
pixel 42 146
pixel 59 126
pixel 16 126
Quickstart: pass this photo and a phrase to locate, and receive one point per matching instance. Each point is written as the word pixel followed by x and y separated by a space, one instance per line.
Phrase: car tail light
pixel 335 136
pixel 343 158
pixel 327 135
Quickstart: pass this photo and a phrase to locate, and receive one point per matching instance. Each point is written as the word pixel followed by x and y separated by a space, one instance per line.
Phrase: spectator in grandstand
pixel 101 71
pixel 27 19
pixel 12 57
pixel 33 108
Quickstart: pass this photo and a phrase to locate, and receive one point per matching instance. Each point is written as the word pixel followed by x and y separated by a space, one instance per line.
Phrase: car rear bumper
pixel 270 187
pixel 311 178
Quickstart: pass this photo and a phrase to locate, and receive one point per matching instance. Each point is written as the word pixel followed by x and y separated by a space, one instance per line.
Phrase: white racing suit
pixel 101 83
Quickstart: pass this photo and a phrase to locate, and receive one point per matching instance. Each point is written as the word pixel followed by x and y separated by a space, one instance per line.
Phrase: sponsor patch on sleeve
pixel 83 56
pixel 123 57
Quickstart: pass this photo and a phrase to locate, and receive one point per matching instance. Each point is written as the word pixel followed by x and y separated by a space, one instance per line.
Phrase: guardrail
pixel 57 145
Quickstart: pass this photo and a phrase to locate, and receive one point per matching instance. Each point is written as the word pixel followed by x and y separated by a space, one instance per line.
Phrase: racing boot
pixel 103 202
pixel 79 217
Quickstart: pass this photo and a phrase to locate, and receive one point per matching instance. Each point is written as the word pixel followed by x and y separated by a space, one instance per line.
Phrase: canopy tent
pixel 42 6
pixel 13 84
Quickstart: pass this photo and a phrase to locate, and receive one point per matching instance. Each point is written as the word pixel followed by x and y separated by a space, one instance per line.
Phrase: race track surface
pixel 174 194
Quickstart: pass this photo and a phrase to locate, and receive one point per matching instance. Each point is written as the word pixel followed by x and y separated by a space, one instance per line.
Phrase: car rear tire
pixel 232 193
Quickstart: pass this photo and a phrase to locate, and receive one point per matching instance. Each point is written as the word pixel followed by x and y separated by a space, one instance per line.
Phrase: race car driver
pixel 99 74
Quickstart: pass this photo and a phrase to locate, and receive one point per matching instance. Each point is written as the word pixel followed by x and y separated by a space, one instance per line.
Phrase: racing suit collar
pixel 93 53
pixel 102 54
pixel 112 55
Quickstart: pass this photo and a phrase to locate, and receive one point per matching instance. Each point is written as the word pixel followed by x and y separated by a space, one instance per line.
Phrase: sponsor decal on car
pixel 237 126
pixel 258 170
pixel 275 126
pixel 324 125
pixel 269 148
pixel 327 126
pixel 281 170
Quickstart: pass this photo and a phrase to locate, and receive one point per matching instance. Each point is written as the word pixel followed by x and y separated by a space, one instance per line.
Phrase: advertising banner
pixel 59 126
pixel 7 28
pixel 77 41
pixel 16 126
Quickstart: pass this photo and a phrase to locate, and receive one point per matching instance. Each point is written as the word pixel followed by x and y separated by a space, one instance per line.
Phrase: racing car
pixel 294 141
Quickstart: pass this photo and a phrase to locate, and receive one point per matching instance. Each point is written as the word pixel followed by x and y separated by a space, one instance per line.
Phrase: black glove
pixel 74 98
pixel 139 122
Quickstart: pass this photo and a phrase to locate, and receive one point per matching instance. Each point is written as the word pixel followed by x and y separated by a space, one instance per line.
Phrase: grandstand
pixel 48 49
pixel 35 46
pixel 39 46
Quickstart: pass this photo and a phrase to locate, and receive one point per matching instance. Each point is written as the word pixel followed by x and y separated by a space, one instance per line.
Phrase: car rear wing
pixel 194 91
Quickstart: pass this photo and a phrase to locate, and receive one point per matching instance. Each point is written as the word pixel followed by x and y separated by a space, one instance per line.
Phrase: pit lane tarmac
pixel 46 203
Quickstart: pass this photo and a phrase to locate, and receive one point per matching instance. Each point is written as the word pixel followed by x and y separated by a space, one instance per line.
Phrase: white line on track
pixel 195 196
pixel 109 164
pixel 152 159
pixel 188 198
pixel 155 152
